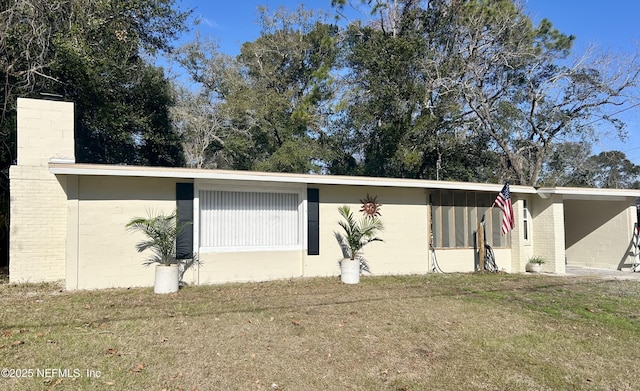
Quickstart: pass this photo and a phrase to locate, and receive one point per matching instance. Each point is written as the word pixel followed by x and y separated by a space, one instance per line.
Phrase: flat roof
pixel 58 168
pixel 577 193
pixel 587 193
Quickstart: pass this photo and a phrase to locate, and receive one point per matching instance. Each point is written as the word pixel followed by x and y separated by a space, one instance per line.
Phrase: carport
pixel 598 226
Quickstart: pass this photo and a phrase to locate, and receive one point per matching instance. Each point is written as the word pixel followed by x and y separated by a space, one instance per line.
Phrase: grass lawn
pixel 435 332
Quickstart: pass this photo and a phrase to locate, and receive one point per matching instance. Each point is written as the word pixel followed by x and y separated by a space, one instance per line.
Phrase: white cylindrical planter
pixel 350 271
pixel 534 267
pixel 167 278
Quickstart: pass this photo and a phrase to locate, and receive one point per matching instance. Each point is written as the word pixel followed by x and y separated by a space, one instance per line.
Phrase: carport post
pixel 481 248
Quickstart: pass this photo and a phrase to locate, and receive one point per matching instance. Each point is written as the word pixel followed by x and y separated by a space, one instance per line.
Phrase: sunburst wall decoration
pixel 370 206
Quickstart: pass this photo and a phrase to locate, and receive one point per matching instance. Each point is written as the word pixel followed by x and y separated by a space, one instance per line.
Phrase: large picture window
pixel 455 216
pixel 249 220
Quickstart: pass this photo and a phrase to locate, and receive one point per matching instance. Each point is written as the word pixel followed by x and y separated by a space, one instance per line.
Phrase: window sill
pixel 206 250
pixel 470 248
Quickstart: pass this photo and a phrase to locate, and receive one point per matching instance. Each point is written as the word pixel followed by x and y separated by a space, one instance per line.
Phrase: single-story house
pixel 68 220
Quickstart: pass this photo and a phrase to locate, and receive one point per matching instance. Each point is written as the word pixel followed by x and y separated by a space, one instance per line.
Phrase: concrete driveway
pixel 608 274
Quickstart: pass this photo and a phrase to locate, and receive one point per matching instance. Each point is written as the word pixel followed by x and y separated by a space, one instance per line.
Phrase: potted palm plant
pixel 357 234
pixel 535 263
pixel 161 233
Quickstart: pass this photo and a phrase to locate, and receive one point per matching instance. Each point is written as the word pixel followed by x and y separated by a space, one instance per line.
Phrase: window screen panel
pixel 447 219
pixel 248 219
pixel 436 219
pixel 455 216
pixel 460 201
pixel 472 218
pixel 496 228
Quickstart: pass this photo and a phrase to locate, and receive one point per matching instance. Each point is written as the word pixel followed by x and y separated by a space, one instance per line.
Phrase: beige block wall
pixel 405 216
pixel 462 260
pixel 45 131
pixel 521 249
pixel 105 255
pixel 548 232
pixel 455 260
pixel 217 268
pixel 38 217
pixel 599 233
pixel 38 200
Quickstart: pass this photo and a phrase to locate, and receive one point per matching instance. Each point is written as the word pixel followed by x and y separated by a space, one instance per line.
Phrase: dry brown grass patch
pixel 435 332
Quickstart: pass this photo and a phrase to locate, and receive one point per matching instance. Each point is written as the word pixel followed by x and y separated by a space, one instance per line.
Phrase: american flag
pixel 503 201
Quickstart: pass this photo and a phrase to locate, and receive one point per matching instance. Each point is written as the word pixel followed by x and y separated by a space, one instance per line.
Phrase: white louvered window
pixel 243 219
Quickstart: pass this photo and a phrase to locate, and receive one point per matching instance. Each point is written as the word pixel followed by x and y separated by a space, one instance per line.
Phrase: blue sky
pixel 613 25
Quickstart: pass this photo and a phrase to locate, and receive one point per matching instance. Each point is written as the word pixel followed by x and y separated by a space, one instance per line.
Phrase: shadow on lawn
pixel 420 289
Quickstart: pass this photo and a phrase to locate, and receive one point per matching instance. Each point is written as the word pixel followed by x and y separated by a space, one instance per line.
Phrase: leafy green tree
pixel 91 52
pixel 402 111
pixel 573 164
pixel 382 94
pixel 430 78
pixel 567 165
pixel 211 138
pixel 611 169
pixel 286 98
pixel 276 94
pixel 383 97
pixel 524 91
pixel 122 101
pixel 94 53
